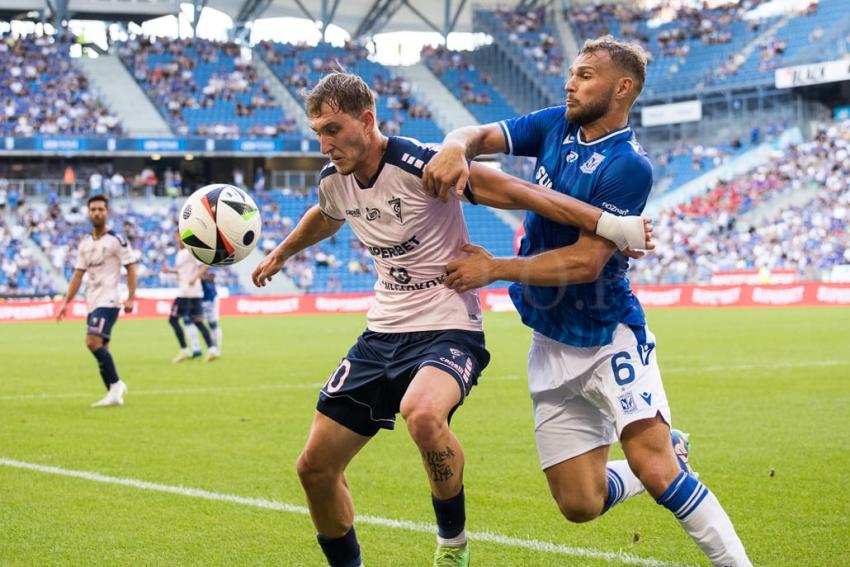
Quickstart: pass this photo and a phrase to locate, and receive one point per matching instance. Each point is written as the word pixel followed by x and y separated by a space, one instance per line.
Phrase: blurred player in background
pixel 189 302
pixel 211 306
pixel 101 255
pixel 592 370
pixel 424 348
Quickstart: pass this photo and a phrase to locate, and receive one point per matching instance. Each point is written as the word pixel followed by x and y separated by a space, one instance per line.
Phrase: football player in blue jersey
pixel 592 369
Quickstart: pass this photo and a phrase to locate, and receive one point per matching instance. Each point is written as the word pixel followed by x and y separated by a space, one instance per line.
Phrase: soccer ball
pixel 220 224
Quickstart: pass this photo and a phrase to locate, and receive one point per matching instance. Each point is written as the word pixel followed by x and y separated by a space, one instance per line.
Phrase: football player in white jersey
pixel 188 304
pixel 424 347
pixel 101 255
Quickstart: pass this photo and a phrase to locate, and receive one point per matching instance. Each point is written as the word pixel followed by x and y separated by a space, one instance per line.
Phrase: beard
pixel 589 112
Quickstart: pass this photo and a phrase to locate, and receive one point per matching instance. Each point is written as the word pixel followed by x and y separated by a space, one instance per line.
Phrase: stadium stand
pixel 20 274
pixel 206 88
pixel 399 113
pixel 705 235
pixel 808 37
pixel 530 35
pixel 474 89
pixel 43 94
pixel 211 89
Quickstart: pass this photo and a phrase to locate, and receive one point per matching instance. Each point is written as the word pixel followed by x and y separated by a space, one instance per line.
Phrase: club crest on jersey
pixel 591 164
pixel 400 275
pixel 571 157
pixel 627 403
pixel 372 214
pixel 395 203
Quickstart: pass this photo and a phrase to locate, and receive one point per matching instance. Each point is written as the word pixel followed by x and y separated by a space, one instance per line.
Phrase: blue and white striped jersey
pixel 612 172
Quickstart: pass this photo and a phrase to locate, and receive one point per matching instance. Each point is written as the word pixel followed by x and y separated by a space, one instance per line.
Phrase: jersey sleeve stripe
pixel 331 217
pixel 509 142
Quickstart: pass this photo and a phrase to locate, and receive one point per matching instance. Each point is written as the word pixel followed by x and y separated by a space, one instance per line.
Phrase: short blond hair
pixel 631 57
pixel 343 92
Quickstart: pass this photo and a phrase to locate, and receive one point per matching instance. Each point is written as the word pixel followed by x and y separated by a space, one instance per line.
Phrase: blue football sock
pixel 341 551
pixel 178 330
pixel 451 515
pixel 106 365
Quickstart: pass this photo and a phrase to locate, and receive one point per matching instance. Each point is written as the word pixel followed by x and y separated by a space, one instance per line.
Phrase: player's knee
pixel 93 342
pixel 312 471
pixel 424 425
pixel 656 476
pixel 579 511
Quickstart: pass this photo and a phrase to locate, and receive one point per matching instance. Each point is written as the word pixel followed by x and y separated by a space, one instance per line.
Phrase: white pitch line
pixel 168 392
pixel 532 544
pixel 485 379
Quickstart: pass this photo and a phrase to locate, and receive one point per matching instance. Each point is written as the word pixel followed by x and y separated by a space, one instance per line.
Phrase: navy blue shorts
pixel 100 321
pixel 188 308
pixel 364 392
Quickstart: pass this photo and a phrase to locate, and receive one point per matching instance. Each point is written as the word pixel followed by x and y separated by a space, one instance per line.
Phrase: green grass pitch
pixel 759 390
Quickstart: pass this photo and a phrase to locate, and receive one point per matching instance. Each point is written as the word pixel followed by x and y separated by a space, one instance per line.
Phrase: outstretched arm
pixel 73 288
pixel 578 263
pixel 496 189
pixel 313 227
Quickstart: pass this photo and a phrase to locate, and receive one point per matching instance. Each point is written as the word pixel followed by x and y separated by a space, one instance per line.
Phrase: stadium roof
pixel 358 17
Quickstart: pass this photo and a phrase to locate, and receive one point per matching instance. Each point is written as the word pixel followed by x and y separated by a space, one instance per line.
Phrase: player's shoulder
pixel 409 154
pixel 550 116
pixel 629 158
pixel 327 171
pixel 119 238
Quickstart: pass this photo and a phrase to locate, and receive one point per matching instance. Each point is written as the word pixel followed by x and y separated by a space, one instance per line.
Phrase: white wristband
pixel 625 232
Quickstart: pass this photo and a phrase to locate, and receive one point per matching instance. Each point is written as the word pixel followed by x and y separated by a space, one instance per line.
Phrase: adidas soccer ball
pixel 220 224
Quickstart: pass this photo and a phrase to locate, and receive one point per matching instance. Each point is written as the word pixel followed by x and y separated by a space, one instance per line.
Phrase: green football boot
pixel 448 556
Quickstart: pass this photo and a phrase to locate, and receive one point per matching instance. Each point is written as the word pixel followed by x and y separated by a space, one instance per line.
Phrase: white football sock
pixel 622 483
pixel 192 333
pixel 704 519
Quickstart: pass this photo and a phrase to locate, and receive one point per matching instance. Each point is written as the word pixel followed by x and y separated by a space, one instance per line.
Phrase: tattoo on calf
pixel 438 467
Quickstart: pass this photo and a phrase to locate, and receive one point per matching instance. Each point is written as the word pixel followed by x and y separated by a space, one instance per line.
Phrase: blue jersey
pixel 612 173
pixel 210 292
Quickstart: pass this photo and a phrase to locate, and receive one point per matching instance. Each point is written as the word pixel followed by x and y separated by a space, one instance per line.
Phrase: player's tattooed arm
pixel 313 227
pixel 578 263
pixel 496 189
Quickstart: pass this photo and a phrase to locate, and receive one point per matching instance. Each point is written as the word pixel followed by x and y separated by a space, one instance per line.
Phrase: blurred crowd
pixel 708 234
pixel 43 94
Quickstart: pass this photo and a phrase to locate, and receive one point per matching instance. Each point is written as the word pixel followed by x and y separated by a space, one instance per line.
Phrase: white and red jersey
pixel 102 259
pixel 187 266
pixel 411 236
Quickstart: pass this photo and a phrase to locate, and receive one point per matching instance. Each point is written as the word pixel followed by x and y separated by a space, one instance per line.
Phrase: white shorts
pixel 584 397
pixel 211 310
